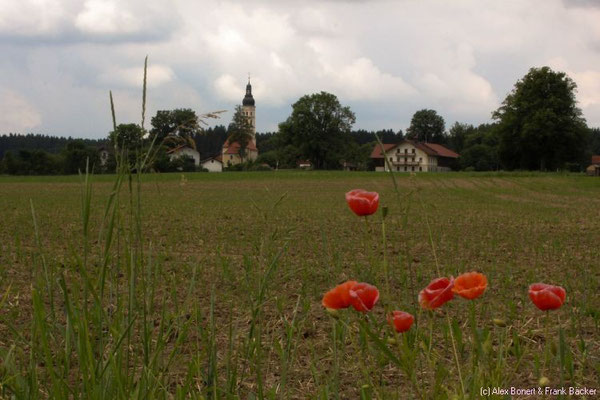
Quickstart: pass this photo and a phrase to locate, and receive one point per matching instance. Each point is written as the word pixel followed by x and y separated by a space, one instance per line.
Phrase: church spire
pixel 248 99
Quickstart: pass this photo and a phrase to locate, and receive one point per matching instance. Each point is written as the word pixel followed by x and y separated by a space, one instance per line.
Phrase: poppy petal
pixel 339 296
pixel 363 296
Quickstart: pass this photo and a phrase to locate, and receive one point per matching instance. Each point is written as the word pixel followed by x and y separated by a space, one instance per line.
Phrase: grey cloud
pixel 581 3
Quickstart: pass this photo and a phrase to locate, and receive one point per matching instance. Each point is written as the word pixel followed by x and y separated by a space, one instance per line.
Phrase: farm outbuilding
pixel 594 168
pixel 213 164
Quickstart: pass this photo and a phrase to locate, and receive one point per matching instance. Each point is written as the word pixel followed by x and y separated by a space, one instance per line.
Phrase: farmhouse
pixel 231 151
pixel 412 156
pixel 181 151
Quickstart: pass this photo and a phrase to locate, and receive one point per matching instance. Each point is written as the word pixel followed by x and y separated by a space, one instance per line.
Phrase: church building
pixel 231 151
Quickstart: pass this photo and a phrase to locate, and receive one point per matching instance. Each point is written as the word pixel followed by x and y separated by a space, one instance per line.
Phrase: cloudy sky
pixel 385 59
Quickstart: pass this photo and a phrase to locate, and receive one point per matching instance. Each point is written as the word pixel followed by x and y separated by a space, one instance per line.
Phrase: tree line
pixel 537 127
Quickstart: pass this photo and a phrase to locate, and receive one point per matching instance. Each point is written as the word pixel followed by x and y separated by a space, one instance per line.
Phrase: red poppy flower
pixel 401 321
pixel 547 297
pixel 363 296
pixel 339 296
pixel 362 202
pixel 438 292
pixel 470 285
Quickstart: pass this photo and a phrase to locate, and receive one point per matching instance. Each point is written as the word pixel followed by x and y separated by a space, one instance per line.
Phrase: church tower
pixel 249 110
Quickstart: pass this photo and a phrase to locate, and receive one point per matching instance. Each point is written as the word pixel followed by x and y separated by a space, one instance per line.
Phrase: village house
pixel 231 151
pixel 412 156
pixel 212 164
pixel 304 164
pixel 183 150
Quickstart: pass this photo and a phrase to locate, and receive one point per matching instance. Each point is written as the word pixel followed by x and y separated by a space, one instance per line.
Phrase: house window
pixel 397 151
pixel 413 151
pixel 420 168
pixel 412 168
pixel 397 168
pixel 405 151
pixel 391 159
pixel 405 168
pixel 420 159
pixel 413 159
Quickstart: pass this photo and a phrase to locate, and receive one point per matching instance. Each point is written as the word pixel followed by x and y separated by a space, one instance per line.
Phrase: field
pixel 210 285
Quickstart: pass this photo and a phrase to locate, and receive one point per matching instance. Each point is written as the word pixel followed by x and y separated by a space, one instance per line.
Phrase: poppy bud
pixel 499 322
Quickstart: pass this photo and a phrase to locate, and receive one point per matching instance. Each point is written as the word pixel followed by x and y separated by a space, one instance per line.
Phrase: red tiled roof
pixel 441 150
pixel 376 153
pixel 218 158
pixel 595 159
pixel 234 148
pixel 431 149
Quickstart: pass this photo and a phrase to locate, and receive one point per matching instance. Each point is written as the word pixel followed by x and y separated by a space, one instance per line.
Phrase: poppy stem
pixel 462 385
pixel 336 363
pixel 385 263
pixel 546 341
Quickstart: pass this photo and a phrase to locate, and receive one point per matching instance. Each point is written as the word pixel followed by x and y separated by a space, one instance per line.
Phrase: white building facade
pixel 411 156
pixel 182 151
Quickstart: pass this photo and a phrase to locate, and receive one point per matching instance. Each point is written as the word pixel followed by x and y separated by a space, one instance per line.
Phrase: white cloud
pixel 588 88
pixel 133 77
pixel 386 59
pixel 106 17
pixel 18 114
pixel 32 17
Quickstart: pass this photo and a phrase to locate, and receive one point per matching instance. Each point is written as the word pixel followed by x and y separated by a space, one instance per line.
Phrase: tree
pixel 127 140
pixel 594 137
pixel 127 137
pixel 240 131
pixel 209 142
pixel 540 125
pixel 174 127
pixel 427 126
pixel 458 134
pixel 319 127
pixel 77 156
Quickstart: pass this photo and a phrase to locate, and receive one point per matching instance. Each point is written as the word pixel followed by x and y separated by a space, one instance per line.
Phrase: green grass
pixel 209 285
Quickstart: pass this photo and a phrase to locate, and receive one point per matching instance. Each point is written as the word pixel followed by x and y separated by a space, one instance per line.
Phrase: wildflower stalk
pixel 437 267
pixel 385 262
pixel 547 342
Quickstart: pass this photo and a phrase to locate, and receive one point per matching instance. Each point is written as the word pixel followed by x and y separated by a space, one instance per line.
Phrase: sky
pixel 384 59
